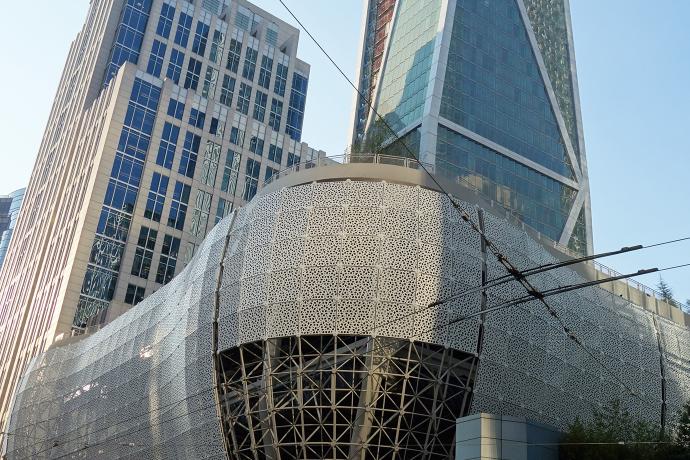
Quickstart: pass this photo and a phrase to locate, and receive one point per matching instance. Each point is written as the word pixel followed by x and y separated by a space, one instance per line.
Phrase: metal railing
pixel 347 158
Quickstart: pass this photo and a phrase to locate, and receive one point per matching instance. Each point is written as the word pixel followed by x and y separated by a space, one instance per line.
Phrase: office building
pixel 9 212
pixel 168 115
pixel 303 328
pixel 485 93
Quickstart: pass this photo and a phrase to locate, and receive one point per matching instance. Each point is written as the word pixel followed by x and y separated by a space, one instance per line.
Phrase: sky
pixel 633 62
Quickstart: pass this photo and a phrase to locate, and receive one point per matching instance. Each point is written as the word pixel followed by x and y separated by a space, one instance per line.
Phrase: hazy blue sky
pixel 634 73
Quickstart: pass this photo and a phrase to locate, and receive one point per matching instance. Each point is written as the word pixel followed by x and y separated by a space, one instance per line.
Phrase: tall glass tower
pixel 485 92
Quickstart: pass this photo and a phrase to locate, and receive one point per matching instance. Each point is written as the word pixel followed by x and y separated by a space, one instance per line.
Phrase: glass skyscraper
pixel 485 92
pixel 9 212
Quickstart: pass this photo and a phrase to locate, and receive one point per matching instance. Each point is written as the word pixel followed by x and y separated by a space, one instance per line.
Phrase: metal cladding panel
pixel 352 258
pixel 140 388
pixel 343 259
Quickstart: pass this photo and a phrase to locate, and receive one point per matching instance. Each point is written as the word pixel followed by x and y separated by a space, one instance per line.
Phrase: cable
pixel 510 268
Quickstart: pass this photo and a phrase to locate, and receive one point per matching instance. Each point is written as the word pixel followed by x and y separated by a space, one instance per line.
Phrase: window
pixel 178 207
pixel 227 90
pixel 231 172
pixel 122 197
pixel 216 54
pixel 197 118
pixel 209 167
pixel 156 198
pixel 281 79
pixel 184 26
pixel 269 173
pixel 251 180
pixel 243 98
pixel 166 151
pixel 298 98
pixel 193 72
pixel 260 106
pixel 224 208
pixel 249 64
pixel 210 82
pixel 265 71
pixel 156 58
pixel 275 154
pixel 292 159
pixel 143 255
pixel 175 65
pixel 168 260
pixel 256 145
pixel 165 20
pixel 276 114
pixel 202 211
pixel 234 51
pixel 127 169
pixel 200 38
pixel 190 153
pixel 175 108
pixel 134 295
pixel 128 37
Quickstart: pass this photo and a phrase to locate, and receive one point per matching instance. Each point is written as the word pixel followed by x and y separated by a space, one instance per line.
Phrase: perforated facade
pixel 485 93
pixel 169 114
pixel 325 345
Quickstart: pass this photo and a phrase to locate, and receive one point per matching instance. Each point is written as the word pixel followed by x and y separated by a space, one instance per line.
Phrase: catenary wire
pixel 510 268
pixel 266 387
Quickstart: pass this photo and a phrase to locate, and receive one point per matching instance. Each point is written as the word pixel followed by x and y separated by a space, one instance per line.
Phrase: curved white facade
pixel 357 261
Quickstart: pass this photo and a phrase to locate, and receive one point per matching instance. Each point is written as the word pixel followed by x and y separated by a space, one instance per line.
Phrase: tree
pixel 614 434
pixel 665 291
pixel 376 137
pixel 683 428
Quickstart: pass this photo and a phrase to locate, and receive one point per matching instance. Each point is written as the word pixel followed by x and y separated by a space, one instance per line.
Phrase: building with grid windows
pixel 9 212
pixel 485 92
pixel 169 114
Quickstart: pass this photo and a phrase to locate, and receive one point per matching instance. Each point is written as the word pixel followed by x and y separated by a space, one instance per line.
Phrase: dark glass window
pixel 298 98
pixel 256 145
pixel 234 50
pixel 200 38
pixel 156 58
pixel 281 79
pixel 227 90
pixel 276 114
pixel 190 152
pixel 178 206
pixel 168 260
pixel 175 65
pixel 165 20
pixel 134 295
pixel 231 172
pixel 292 159
pixel 156 198
pixel 175 108
pixel 275 154
pixel 184 26
pixel 197 118
pixel 143 255
pixel 260 106
pixel 249 63
pixel 166 150
pixel 265 71
pixel 243 98
pixel 193 73
pixel 251 181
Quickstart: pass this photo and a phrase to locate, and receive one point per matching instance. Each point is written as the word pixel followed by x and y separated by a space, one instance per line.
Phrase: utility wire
pixel 503 260
pixel 264 388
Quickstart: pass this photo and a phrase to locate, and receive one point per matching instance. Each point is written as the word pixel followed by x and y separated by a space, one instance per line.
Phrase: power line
pixel 503 260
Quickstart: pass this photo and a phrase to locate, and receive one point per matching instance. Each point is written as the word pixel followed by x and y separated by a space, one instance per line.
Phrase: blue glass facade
pixel 486 92
pixel 13 205
pixel 129 36
pixel 113 227
pixel 493 86
pixel 542 202
pixel 298 100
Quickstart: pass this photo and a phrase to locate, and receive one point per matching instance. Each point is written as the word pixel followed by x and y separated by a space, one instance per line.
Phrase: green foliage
pixel 375 138
pixel 665 291
pixel 614 434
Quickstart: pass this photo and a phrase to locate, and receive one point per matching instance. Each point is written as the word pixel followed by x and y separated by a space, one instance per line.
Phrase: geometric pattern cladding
pixel 321 292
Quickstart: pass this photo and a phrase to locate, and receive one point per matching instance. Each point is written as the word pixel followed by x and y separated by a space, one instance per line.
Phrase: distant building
pixel 169 114
pixel 485 92
pixel 8 219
